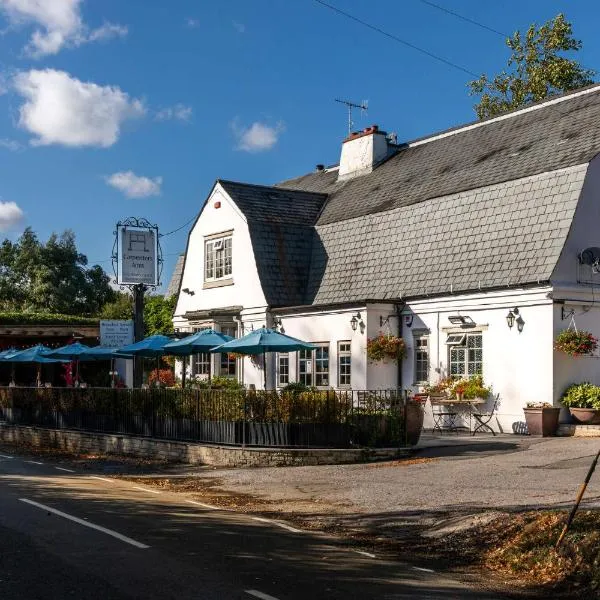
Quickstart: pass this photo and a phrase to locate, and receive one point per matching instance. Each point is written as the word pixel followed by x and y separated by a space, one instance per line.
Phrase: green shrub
pixel 582 395
pixel 33 318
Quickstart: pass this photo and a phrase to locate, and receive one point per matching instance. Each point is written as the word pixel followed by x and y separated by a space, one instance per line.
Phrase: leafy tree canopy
pixel 537 69
pixel 158 314
pixel 50 277
pixel 121 308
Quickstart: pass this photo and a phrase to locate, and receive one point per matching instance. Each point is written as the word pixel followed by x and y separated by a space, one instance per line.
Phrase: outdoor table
pixel 446 419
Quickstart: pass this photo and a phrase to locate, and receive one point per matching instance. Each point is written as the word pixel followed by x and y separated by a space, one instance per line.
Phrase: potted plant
pixel 385 347
pixel 439 390
pixel 541 418
pixel 475 388
pixel 459 388
pixel 583 402
pixel 576 343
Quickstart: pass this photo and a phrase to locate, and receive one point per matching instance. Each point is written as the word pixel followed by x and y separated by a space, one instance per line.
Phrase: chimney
pixel 362 151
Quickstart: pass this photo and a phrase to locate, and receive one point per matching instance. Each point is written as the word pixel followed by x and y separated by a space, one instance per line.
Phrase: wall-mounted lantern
pixel 511 317
pixel 355 320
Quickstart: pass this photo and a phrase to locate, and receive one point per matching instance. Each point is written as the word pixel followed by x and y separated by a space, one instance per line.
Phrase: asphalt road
pixel 74 535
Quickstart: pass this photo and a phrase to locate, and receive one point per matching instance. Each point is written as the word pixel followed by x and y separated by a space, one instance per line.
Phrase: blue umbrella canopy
pixel 203 341
pixel 264 340
pixel 99 353
pixel 6 353
pixel 150 347
pixel 70 351
pixel 36 354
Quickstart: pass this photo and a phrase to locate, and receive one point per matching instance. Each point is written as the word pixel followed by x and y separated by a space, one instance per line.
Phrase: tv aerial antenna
pixel 363 107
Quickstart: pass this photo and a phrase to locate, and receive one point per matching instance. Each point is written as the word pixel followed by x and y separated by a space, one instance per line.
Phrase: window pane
pixel 218 263
pixel 344 364
pixel 457 361
pixel 322 366
pixel 305 367
pixel 421 345
pixel 284 369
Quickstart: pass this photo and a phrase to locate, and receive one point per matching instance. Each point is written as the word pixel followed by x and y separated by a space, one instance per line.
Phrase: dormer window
pixel 217 258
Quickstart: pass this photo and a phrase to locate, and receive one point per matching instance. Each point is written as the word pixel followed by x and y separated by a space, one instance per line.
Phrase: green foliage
pixel 472 387
pixel 219 382
pixel 536 69
pixel 158 314
pixel 34 318
pixel 582 395
pixel 121 308
pixel 385 347
pixel 50 277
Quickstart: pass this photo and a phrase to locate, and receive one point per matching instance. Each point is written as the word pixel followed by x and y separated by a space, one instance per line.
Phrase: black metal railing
pixel 325 419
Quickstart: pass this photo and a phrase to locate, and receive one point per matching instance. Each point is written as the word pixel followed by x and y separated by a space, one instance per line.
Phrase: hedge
pixel 32 318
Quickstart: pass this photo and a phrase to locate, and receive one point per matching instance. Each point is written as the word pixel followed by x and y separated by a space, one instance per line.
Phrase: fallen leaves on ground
pixel 402 462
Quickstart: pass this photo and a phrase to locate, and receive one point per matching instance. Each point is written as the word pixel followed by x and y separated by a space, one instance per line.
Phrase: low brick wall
pixel 190 453
pixel 570 429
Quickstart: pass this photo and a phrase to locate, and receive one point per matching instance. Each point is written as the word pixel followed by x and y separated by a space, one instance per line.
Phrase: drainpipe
pixel 399 308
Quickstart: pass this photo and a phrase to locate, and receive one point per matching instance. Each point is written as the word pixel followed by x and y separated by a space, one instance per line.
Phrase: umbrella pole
pixel 183 371
pixel 112 372
pixel 39 375
pixel 265 368
pixel 157 372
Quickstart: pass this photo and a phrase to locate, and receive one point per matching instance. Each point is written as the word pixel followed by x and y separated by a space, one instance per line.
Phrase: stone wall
pixel 190 453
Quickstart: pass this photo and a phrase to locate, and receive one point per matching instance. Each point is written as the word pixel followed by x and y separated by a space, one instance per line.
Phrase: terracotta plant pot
pixel 586 416
pixel 415 412
pixel 542 421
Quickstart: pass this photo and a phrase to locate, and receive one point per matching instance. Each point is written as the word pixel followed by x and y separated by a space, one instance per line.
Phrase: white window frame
pixel 344 348
pixel 421 365
pixel 283 375
pixel 218 254
pixel 201 363
pixel 312 362
pixel 468 350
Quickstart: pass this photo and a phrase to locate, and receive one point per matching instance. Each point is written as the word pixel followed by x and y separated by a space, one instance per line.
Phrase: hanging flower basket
pixel 234 355
pixel 385 347
pixel 576 343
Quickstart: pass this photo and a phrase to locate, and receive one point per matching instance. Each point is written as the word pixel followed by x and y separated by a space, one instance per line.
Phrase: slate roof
pixel 175 282
pixel 551 137
pixel 281 225
pixel 479 207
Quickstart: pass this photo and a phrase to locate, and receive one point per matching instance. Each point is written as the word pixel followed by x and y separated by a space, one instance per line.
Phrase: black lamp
pixel 520 324
pixel 354 321
pixel 510 319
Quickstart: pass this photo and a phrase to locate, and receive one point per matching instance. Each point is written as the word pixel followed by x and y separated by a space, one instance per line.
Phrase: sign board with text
pixel 116 334
pixel 137 255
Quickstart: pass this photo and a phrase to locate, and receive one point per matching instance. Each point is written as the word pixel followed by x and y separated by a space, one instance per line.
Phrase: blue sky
pixel 119 108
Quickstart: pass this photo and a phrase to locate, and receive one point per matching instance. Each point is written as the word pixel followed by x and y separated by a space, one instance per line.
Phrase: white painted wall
pixel 333 327
pixel 381 375
pixel 246 290
pixel 519 366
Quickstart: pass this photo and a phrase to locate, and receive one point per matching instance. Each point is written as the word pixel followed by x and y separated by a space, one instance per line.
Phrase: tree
pixel 120 308
pixel 51 277
pixel 158 314
pixel 536 70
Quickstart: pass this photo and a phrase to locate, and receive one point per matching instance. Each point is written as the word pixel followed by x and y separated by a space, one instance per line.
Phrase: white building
pixel 472 222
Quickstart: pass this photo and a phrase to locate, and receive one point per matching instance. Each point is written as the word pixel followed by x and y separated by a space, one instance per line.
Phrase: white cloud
pixel 179 112
pixel 9 144
pixel 107 32
pixel 239 27
pixel 257 137
pixel 10 215
pixel 58 22
pixel 192 23
pixel 135 186
pixel 60 109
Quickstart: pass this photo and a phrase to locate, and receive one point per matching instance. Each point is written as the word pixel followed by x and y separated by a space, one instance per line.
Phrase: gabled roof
pixel 281 226
pixel 546 137
pixel 175 281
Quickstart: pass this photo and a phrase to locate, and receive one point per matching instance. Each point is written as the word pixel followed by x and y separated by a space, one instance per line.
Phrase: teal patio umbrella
pixel 150 347
pixel 72 352
pixel 202 341
pixel 36 354
pixel 262 341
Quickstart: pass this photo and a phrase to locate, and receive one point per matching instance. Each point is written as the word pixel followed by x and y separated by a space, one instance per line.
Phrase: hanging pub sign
pixel 137 255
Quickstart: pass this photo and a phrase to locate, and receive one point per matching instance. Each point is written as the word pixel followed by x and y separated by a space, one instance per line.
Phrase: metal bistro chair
pixel 443 418
pixel 483 418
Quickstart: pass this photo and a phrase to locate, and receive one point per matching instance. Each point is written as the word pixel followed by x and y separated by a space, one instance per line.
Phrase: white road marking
pixel 34 462
pixel 135 487
pixel 364 553
pixel 209 506
pixel 63 469
pixel 110 532
pixel 282 525
pixel 102 478
pixel 423 569
pixel 260 595
pixel 5 456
